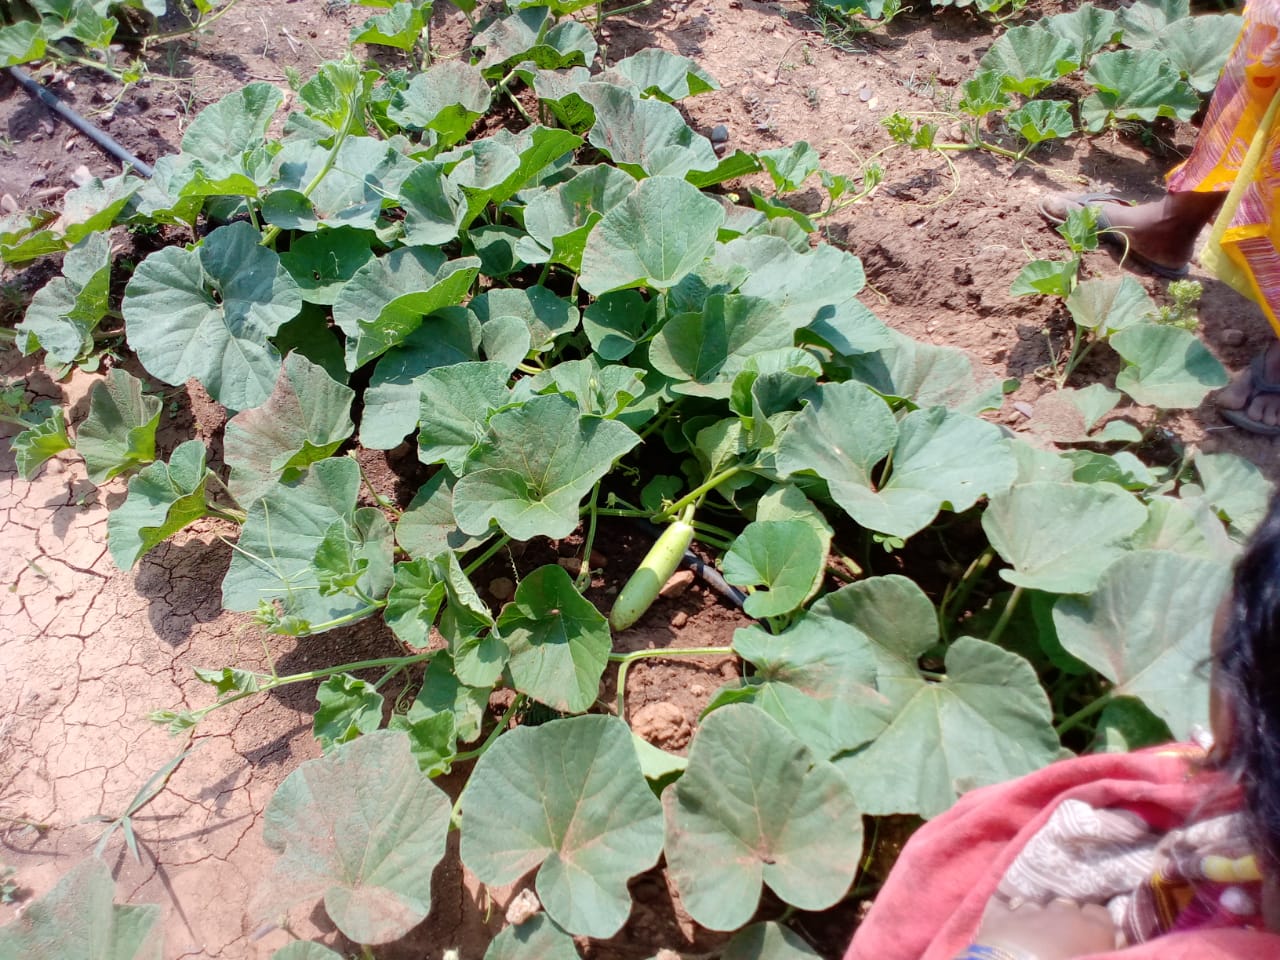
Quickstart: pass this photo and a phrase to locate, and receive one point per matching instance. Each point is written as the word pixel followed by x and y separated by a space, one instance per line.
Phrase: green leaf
pixel 479 652
pixel 538 938
pixel 359 183
pixel 665 75
pixel 1110 304
pixel 1125 725
pixel 1069 415
pixel 984 94
pixel 414 601
pixel 457 402
pixel 741 818
pixel 1199 46
pixel 388 298
pixel 208 313
pixel 988 720
pixel 434 206
pixel 929 375
pixel 64 312
pixel 616 322
pixel 567 797
pixel 767 941
pixel 163 498
pixel 1060 537
pixel 1087 28
pixel 1167 367
pixel 599 391
pixel 393 400
pixel 76 919
pixel 560 219
pixel 302 950
pixel 1145 22
pixel 782 561
pixel 224 149
pixel 348 708
pixel 428 527
pixel 646 138
pixel 401 27
pixel 306 418
pixel 545 314
pixel 559 642
pixel 1146 629
pixel 655 237
pixel 275 557
pixel 525 36
pixel 1028 59
pixel 1045 278
pixel 40 442
pixel 818 679
pixel 502 165
pixel 447 98
pixel 1188 527
pixel 120 432
pixel 789 167
pixel 322 263
pixel 1236 488
pixel 1042 120
pixel 228 680
pixel 535 467
pixel 95 205
pixel 1135 85
pixel 20 43
pixel 362 829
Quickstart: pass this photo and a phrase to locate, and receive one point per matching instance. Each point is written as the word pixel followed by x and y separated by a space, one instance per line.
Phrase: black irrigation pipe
pixel 94 133
pixel 703 571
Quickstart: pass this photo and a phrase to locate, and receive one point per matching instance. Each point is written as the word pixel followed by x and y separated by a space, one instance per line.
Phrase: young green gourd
pixel 654 571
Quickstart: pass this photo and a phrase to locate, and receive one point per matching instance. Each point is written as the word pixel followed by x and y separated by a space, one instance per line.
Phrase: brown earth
pixel 87 651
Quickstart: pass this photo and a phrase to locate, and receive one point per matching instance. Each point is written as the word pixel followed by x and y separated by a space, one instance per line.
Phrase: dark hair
pixel 1248 660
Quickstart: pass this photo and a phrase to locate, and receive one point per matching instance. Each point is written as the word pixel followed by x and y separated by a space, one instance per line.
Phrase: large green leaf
pixel 348 707
pixel 545 314
pixel 275 559
pixel 1168 367
pixel 1060 537
pixel 568 797
pixel 1236 488
pixel 1028 59
pixel 529 35
pixel 119 434
pixel 401 27
pixel 447 98
pixel 818 679
pixel 559 220
pixel 163 498
pixel 365 175
pixel 782 561
pixel 64 312
pixel 767 941
pixel 428 527
pixel 1146 629
pixel 388 298
pixel 534 468
pixel 496 168
pixel 40 442
pixel 456 404
pixel 656 236
pixel 21 42
pixel 208 313
pixel 740 818
pixel 362 829
pixel 1146 21
pixel 1135 85
pixel 1087 28
pixel 393 399
pixel 646 138
pixel 1110 304
pixel 306 418
pixel 928 375
pixel 559 641
pixel 988 720
pixel 535 939
pixel 224 149
pixel 76 920
pixel 663 74
pixel 1199 46
pixel 322 263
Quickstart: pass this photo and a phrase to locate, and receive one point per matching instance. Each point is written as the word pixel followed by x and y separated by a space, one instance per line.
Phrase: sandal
pixel 1258 384
pixel 1113 237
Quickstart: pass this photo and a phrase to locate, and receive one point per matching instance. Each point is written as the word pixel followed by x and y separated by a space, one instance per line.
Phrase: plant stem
pixel 378 498
pixel 601 13
pixel 183 31
pixel 496 732
pixel 1005 616
pixel 486 555
pixel 368 610
pixel 1084 713
pixel 955 603
pixel 624 661
pixel 698 493
pixel 584 572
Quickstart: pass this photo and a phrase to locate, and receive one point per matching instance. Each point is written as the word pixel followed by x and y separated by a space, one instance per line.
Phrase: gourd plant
pixel 571 325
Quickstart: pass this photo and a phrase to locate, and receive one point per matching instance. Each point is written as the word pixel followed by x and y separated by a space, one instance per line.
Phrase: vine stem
pixel 1084 713
pixel 698 493
pixel 183 31
pixel 584 572
pixel 496 732
pixel 964 588
pixel 1005 616
pixel 624 661
pixel 487 555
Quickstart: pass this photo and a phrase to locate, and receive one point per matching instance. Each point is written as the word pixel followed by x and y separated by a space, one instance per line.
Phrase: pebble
pixel 719 133
pixel 8 204
pixel 81 175
pixel 524 907
pixel 845 92
pixel 679 583
pixel 679 619
pixel 697 689
pixel 1024 408
pixel 865 94
pixel 501 588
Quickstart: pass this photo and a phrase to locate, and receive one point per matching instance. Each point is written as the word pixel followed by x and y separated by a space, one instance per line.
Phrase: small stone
pixel 873 103
pixel 845 92
pixel 502 588
pixel 8 204
pixel 719 133
pixel 1024 408
pixel 865 94
pixel 679 583
pixel 1230 338
pixel 572 564
pixel 680 619
pixel 663 724
pixel 666 954
pixel 697 689
pixel 523 907
pixel 81 175
pixel 769 26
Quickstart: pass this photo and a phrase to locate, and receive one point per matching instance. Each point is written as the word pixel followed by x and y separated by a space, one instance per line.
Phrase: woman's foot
pixel 1251 401
pixel 1160 234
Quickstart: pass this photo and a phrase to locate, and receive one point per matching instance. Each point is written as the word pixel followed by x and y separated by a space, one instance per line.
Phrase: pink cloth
pixel 932 904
